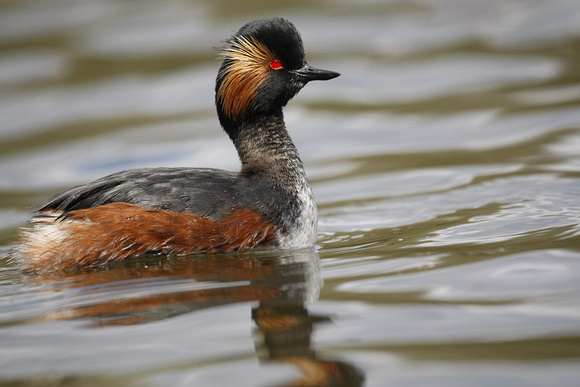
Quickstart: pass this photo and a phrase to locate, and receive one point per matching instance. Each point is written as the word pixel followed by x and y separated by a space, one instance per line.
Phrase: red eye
pixel 276 64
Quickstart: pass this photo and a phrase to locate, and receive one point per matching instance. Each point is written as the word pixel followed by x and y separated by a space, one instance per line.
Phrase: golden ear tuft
pixel 248 63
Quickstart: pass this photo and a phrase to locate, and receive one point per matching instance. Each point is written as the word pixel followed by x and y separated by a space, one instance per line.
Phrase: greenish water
pixel 445 162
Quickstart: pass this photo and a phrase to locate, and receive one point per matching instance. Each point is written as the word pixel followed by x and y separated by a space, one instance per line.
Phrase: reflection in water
pixel 141 291
pixel 286 327
pixel 136 292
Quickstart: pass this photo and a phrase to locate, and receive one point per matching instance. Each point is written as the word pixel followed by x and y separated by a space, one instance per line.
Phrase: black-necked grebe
pixel 268 204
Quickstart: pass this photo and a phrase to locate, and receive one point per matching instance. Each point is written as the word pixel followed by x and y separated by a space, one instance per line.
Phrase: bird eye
pixel 276 64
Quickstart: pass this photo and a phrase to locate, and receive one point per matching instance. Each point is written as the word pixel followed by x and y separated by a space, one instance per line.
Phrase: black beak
pixel 308 73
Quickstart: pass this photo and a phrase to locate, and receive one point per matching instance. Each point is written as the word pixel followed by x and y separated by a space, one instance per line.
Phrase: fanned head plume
pixel 263 67
pixel 245 68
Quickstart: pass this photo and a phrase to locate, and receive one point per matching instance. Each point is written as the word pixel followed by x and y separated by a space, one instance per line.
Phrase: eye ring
pixel 275 64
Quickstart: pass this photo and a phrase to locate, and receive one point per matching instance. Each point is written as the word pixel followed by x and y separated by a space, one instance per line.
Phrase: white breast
pixel 306 226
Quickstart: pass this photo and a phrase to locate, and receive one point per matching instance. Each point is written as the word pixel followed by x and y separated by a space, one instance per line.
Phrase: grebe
pixel 267 204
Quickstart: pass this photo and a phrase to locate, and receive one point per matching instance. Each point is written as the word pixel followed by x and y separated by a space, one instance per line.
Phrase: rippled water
pixel 445 162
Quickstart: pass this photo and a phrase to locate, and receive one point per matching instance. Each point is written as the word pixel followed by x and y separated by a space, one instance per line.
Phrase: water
pixel 445 162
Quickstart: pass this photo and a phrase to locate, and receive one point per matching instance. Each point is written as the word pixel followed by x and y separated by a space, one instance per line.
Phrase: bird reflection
pixel 286 329
pixel 145 290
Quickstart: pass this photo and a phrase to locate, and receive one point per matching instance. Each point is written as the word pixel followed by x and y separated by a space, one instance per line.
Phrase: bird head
pixel 263 67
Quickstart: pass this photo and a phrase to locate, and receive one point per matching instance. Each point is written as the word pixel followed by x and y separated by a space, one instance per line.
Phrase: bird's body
pixel 267 204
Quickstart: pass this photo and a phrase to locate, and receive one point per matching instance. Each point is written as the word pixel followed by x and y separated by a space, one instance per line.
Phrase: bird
pixel 268 204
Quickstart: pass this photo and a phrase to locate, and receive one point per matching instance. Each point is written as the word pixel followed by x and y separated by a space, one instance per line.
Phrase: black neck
pixel 265 147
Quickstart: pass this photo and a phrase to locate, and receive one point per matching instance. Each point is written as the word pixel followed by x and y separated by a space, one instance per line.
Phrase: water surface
pixel 445 162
